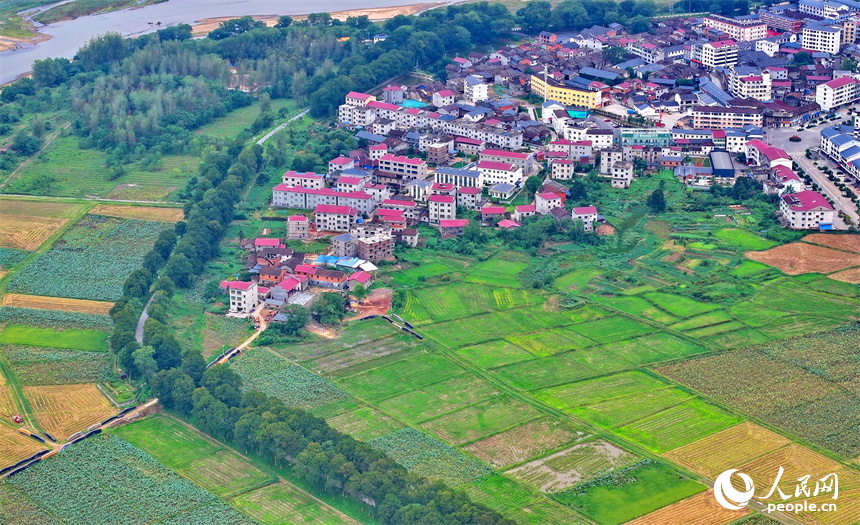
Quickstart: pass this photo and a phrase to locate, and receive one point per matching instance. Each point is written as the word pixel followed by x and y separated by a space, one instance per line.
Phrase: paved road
pixel 270 134
pixel 810 139
pixel 138 332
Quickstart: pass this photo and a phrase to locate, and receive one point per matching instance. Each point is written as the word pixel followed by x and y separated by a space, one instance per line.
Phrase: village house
pixel 441 207
pixel 243 295
pixel 586 214
pixel 491 214
pixel 500 172
pixel 298 227
pixel 469 198
pixel 452 227
pixel 311 181
pixel 522 211
pixel 622 174
pixel 806 210
pixel 545 202
pixel 334 218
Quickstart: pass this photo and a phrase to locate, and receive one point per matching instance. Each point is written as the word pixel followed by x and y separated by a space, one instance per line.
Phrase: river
pixel 70 35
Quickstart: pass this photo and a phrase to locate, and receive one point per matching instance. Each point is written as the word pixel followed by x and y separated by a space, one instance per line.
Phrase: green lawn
pixel 629 493
pixel 89 340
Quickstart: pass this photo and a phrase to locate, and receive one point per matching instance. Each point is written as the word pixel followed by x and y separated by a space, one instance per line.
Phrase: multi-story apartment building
pixel 806 210
pixel 475 90
pixel 308 180
pixel 608 158
pixel 561 169
pixel 648 52
pixel 298 227
pixel 837 93
pixel 574 149
pixel 565 94
pixel 739 28
pixel 524 161
pixel 332 218
pixel 444 97
pixel 833 11
pixel 410 168
pixel 377 247
pixel 756 85
pixel 300 198
pixel 500 172
pixel 645 136
pixel 719 54
pixel 469 198
pixel 243 295
pixel 356 99
pixel 780 22
pixel 718 117
pixel 586 214
pixel 622 174
pixel 459 177
pixel 821 37
pixel 441 207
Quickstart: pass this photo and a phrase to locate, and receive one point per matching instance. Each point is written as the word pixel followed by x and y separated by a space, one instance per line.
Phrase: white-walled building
pixel 311 181
pixel 586 214
pixel 244 296
pixel 412 168
pixel 821 37
pixel 332 218
pixel 806 210
pixel 475 90
pixel 496 172
pixel 742 30
pixel 441 208
pixel 545 202
pixel 720 54
pixel 837 93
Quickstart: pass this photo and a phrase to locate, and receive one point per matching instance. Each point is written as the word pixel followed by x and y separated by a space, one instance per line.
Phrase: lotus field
pixel 91 261
pixel 51 366
pixel 123 485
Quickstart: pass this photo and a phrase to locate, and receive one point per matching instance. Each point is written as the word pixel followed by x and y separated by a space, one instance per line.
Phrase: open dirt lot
pixel 146 213
pixel 848 243
pixel 56 303
pixel 378 302
pixel 797 258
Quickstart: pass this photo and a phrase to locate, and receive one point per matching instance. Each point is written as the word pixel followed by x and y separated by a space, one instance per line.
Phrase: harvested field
pixel 797 258
pixel 851 275
pixel 848 243
pixel 146 213
pixel 798 461
pixel 15 446
pixel 42 302
pixel 727 449
pixel 27 232
pixel 63 410
pixel 13 206
pixel 564 469
pixel 701 509
pixel 848 510
pixel 523 442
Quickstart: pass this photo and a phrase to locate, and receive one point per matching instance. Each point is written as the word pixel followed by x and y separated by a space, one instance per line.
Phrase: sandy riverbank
pixel 204 26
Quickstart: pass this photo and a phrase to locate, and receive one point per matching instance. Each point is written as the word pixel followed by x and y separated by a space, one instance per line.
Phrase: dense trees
pixel 572 15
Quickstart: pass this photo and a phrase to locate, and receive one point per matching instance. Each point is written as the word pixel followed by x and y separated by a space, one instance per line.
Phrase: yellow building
pixel 565 94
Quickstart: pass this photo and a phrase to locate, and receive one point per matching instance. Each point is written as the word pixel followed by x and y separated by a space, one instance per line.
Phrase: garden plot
pixel 283 504
pixel 727 449
pixel 50 366
pixel 525 441
pixel 500 493
pixel 565 469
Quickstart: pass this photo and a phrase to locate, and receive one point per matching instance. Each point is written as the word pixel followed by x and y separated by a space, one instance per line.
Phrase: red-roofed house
pixel 838 92
pixel 499 172
pixel 288 287
pixel 263 242
pixel 469 198
pixel 349 183
pixel 561 169
pixel 333 218
pixel 443 188
pixel 765 155
pixel 378 151
pixel 356 99
pixel 508 224
pixel 545 202
pixel 586 214
pixel 443 98
pixel 442 207
pixel 789 180
pixel 311 181
pixel 340 163
pixel 243 295
pixel 490 214
pixel 452 227
pixel 360 277
pixel 524 161
pixel 522 211
pixel 298 227
pixel 806 210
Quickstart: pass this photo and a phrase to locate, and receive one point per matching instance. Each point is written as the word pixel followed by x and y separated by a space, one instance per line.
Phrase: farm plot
pixel 427 456
pixel 722 328
pixel 366 355
pixel 500 493
pixel 848 243
pixel 145 213
pixel 638 307
pixel 782 394
pixel 699 321
pixel 27 232
pixel 87 340
pixel 737 338
pixel 295 386
pixel 495 353
pixel 600 389
pixel 619 411
pixel 10 257
pixel 438 398
pixel 56 303
pixel 678 305
pixel 565 469
pixel 847 513
pixel 17 509
pixel 413 311
pixel 399 377
pixel 63 410
pixel 851 276
pixel 419 274
pixel 677 426
pixel 701 509
pixel 363 423
pixel 748 268
pixel 798 461
pixel 482 419
pixel 525 441
pixel 798 257
pixel 283 504
pixel 629 492
pixel 611 329
pixel 548 342
pixel 212 466
pixel 743 239
pixel 546 512
pixel 15 446
pixel 351 336
pixel 498 271
pixel 50 366
pixel 457 300
pixel 220 332
pixel 727 449
pixel 54 318
pixel 97 467
pixel 91 261
pixel 577 279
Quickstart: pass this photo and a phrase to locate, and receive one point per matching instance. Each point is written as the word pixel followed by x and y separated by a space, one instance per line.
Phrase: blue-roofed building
pixel 348 262
pixel 598 74
pixel 459 177
pixel 371 138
